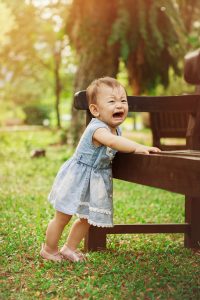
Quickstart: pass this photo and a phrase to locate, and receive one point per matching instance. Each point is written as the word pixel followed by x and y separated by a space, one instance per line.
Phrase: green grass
pixel 133 267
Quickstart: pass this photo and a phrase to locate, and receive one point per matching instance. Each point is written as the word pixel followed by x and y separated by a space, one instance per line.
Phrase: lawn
pixel 133 267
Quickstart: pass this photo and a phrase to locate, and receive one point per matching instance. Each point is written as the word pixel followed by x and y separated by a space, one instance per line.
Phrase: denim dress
pixel 83 185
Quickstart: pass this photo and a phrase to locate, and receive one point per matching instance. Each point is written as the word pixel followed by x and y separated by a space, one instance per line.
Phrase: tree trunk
pixel 57 58
pixel 97 58
pixel 134 66
pixel 135 60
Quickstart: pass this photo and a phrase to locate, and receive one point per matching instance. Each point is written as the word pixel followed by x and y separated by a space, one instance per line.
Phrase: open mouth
pixel 118 115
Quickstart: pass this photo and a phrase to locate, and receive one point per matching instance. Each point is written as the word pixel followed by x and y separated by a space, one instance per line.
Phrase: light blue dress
pixel 83 185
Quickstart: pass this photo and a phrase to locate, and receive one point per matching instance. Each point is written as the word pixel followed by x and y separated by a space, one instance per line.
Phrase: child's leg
pixel 78 231
pixel 54 231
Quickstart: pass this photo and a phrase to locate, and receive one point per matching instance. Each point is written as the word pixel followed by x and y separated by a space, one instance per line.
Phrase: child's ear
pixel 94 110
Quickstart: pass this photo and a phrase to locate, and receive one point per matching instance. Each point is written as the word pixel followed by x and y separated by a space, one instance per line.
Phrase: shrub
pixel 36 114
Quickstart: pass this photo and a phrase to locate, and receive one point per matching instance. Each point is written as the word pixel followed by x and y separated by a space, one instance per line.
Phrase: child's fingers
pixel 142 152
pixel 154 150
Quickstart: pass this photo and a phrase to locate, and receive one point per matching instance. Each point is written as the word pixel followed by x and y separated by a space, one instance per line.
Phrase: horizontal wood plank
pixel 180 174
pixel 145 228
pixel 182 153
pixel 181 103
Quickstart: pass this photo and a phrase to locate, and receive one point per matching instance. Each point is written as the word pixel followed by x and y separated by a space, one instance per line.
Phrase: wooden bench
pixel 167 124
pixel 177 171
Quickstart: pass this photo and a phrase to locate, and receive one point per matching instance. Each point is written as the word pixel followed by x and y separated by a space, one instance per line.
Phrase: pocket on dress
pixel 99 191
pixel 110 153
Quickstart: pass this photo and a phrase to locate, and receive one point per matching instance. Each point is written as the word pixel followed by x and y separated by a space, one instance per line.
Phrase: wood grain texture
pixel 175 171
pixel 182 103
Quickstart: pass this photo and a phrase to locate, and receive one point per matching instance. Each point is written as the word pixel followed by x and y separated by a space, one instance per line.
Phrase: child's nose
pixel 118 104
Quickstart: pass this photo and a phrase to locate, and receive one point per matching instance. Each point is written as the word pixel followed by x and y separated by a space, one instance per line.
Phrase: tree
pixel 7 22
pixel 54 40
pixel 36 53
pixel 190 12
pixel 152 37
pixel 17 55
pixel 89 28
pixel 147 35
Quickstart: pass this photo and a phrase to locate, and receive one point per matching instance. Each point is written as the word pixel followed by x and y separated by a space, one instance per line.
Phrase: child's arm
pixel 106 138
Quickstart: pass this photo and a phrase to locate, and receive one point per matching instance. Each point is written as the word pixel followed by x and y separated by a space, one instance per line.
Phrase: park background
pixel 49 50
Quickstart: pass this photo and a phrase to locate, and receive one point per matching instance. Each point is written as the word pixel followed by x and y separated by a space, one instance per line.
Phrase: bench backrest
pixel 183 104
pixel 169 125
pixel 174 124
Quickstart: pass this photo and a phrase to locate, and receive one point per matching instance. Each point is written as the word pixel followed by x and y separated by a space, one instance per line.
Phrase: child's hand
pixel 153 149
pixel 146 149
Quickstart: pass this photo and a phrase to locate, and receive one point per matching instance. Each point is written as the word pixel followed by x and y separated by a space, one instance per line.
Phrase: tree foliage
pixel 36 54
pixel 7 23
pixel 19 56
pixel 190 13
pixel 151 35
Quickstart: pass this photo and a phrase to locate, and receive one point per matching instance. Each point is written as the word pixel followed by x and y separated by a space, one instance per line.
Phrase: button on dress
pixel 83 185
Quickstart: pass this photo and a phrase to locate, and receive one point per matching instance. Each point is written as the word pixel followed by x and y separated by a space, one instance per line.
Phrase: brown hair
pixel 92 90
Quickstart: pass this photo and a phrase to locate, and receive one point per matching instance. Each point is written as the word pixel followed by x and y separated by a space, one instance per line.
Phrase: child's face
pixel 111 106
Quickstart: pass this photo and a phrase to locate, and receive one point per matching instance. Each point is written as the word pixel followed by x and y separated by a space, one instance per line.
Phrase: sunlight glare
pixel 43 3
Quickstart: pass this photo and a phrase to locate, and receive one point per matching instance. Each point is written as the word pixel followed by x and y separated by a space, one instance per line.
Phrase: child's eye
pixel 124 100
pixel 111 101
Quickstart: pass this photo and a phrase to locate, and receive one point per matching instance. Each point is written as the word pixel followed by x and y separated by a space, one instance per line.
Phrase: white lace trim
pixel 84 203
pixel 96 209
pixel 100 210
pixel 92 222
